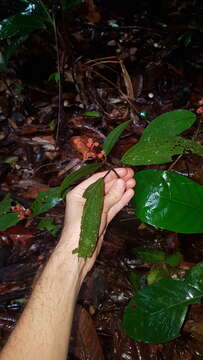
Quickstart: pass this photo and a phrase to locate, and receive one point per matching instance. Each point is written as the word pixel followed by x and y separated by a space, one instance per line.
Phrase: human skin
pixel 44 327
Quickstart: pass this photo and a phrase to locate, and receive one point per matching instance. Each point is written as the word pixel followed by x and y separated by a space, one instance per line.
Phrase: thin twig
pixel 47 12
pixel 59 83
pixel 175 162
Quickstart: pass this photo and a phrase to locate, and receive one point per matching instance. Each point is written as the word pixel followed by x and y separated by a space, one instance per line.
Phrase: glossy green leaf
pixel 156 313
pixel 195 274
pixel 78 174
pixel 113 137
pixel 151 256
pixel 5 204
pixel 8 220
pixel 46 200
pixel 159 150
pixel 159 142
pixel 174 259
pixel 91 218
pixel 47 224
pixel 169 201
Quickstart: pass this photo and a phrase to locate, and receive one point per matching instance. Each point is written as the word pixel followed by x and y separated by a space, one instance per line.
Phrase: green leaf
pixel 47 224
pixel 52 124
pixel 113 137
pixel 159 150
pixel 11 159
pixel 159 142
pixel 135 279
pixel 151 256
pixel 195 274
pixel 174 259
pixel 46 200
pixel 91 218
pixel 54 77
pixel 8 220
pixel 92 114
pixel 68 4
pixel 169 201
pixel 156 313
pixel 169 124
pixel 155 275
pixel 20 25
pixel 76 175
pixel 10 51
pixel 5 204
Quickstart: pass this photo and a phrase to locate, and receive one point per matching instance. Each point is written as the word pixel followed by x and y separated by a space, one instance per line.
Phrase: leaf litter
pixel 129 62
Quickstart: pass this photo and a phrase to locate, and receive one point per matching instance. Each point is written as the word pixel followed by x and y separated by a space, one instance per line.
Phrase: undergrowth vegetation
pixel 163 199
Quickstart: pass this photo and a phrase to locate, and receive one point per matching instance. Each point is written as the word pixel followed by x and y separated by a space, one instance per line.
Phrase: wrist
pixel 69 264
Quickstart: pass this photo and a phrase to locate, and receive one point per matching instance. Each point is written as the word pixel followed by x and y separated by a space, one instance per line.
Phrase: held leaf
pixel 91 218
pixel 113 137
pixel 169 201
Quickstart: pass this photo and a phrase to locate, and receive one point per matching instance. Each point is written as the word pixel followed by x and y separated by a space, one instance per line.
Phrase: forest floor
pixel 117 63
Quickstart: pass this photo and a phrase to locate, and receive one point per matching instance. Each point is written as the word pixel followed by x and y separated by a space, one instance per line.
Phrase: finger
pixel 115 194
pixel 127 178
pixel 127 196
pixel 111 176
pixel 130 183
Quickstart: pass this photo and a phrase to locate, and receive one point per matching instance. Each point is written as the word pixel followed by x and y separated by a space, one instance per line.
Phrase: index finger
pixel 122 172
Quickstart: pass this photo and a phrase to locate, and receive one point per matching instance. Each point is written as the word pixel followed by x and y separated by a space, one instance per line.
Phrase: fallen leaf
pixel 33 193
pixel 20 235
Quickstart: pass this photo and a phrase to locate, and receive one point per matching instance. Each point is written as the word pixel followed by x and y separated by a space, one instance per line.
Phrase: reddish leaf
pixel 86 342
pixel 20 235
pixel 33 193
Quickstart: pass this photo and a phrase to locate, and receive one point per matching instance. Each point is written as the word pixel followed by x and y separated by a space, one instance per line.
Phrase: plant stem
pixel 59 84
pixel 46 11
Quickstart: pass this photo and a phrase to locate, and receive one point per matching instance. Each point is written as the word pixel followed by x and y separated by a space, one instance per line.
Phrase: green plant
pixel 34 15
pixel 157 311
pixel 163 198
pixel 11 215
pixel 159 141
pixel 169 201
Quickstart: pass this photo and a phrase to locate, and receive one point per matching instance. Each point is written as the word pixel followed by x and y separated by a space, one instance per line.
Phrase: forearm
pixel 44 327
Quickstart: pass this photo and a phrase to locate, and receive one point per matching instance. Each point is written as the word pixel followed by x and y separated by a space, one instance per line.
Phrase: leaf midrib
pixel 185 302
pixel 182 203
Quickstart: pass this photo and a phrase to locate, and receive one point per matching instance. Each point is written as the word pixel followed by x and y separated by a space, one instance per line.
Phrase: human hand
pixel 118 192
